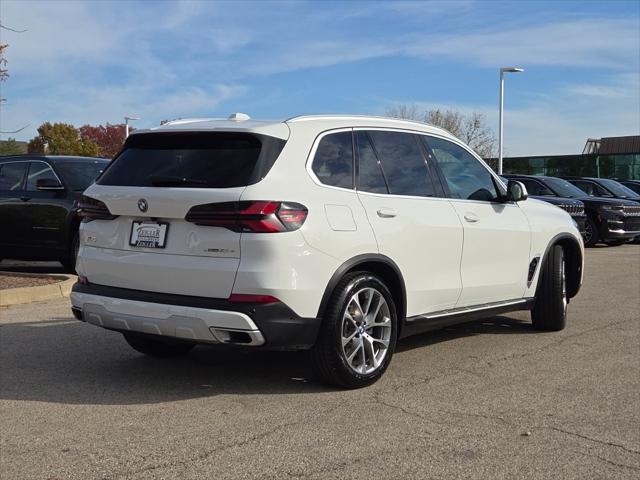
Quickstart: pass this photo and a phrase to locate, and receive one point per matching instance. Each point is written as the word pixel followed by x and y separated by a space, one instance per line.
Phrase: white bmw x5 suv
pixel 333 234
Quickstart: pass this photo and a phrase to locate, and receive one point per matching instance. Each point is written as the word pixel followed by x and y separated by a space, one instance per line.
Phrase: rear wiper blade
pixel 170 181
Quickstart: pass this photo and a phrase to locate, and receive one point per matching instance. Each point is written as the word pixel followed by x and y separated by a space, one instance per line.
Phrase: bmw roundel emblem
pixel 142 205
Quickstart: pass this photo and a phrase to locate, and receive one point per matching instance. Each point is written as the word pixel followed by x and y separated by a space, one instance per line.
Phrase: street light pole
pixel 126 125
pixel 503 70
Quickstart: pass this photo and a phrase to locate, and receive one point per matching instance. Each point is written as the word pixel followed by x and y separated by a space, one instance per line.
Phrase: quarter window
pixel 38 171
pixel 466 177
pixel 12 175
pixel 370 177
pixel 403 163
pixel 333 161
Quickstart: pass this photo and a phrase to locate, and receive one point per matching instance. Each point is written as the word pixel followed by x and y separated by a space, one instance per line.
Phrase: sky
pixel 93 62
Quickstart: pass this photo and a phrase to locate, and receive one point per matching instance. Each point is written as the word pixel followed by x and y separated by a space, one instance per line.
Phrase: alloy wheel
pixel 588 233
pixel 366 330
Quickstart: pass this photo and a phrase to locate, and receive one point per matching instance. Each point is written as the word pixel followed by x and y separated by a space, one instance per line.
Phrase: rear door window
pixel 194 160
pixel 12 175
pixel 370 176
pixel 403 163
pixel 333 161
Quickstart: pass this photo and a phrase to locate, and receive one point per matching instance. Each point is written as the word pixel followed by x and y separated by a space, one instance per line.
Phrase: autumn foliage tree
pixel 61 139
pixel 109 138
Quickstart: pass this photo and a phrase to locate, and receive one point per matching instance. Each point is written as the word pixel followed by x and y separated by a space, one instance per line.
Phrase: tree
pixel 10 147
pixel 109 138
pixel 472 129
pixel 61 139
pixel 4 72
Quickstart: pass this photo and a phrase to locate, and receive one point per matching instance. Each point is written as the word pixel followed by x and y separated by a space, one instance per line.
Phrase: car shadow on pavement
pixel 62 360
pixel 491 326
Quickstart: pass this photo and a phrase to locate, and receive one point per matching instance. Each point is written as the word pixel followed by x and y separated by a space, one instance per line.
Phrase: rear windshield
pixel 194 160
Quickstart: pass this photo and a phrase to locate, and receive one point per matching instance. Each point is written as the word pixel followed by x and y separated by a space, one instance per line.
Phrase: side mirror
pixel 48 184
pixel 516 191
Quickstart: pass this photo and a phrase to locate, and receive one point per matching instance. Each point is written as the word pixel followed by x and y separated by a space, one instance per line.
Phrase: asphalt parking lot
pixel 487 400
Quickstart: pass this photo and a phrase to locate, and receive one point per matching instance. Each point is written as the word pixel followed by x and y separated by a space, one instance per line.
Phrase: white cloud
pixel 93 62
pixel 560 121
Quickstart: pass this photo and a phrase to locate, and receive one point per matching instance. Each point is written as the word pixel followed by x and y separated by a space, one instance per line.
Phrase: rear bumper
pixel 197 319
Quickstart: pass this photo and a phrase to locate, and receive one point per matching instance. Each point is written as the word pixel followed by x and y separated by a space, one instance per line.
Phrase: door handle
pixel 25 199
pixel 471 217
pixel 386 213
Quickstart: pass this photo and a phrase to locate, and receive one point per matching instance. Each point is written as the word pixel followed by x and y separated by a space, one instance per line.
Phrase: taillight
pixel 250 216
pixel 92 209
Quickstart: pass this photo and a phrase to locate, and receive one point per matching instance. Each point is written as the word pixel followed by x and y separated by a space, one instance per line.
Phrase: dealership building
pixel 611 157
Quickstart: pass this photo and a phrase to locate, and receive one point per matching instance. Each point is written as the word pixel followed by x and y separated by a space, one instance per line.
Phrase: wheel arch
pixel 380 265
pixel 573 261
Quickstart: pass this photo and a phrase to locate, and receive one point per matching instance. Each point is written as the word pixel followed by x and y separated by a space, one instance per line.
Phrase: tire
pixel 591 235
pixel 69 262
pixel 353 351
pixel 157 346
pixel 550 310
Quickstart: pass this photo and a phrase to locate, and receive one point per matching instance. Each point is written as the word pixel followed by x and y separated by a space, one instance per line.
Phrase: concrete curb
pixel 16 296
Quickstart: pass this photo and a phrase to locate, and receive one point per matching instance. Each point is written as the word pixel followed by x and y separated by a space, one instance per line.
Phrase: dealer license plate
pixel 148 234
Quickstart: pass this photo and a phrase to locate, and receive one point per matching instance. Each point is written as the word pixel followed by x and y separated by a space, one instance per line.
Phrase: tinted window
pixel 403 163
pixel 79 175
pixel 194 160
pixel 12 175
pixel 564 188
pixel 618 189
pixel 633 186
pixel 466 177
pixel 370 177
pixel 591 188
pixel 39 171
pixel 333 162
pixel 535 188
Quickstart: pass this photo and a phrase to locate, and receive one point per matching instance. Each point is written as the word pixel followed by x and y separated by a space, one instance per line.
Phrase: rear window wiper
pixel 172 181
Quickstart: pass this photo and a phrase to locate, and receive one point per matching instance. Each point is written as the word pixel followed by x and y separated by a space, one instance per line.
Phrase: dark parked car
pixel 604 187
pixel 613 221
pixel 632 185
pixel 38 205
pixel 537 190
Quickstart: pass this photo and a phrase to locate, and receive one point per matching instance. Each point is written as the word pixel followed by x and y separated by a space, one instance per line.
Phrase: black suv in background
pixel 603 187
pixel 38 205
pixel 537 190
pixel 609 220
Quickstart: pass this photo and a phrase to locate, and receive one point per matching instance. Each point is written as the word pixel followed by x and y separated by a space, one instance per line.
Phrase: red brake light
pixel 92 209
pixel 250 216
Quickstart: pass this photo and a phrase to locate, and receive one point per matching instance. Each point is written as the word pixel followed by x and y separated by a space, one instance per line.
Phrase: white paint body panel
pixel 495 256
pixel 424 239
pixel 446 261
